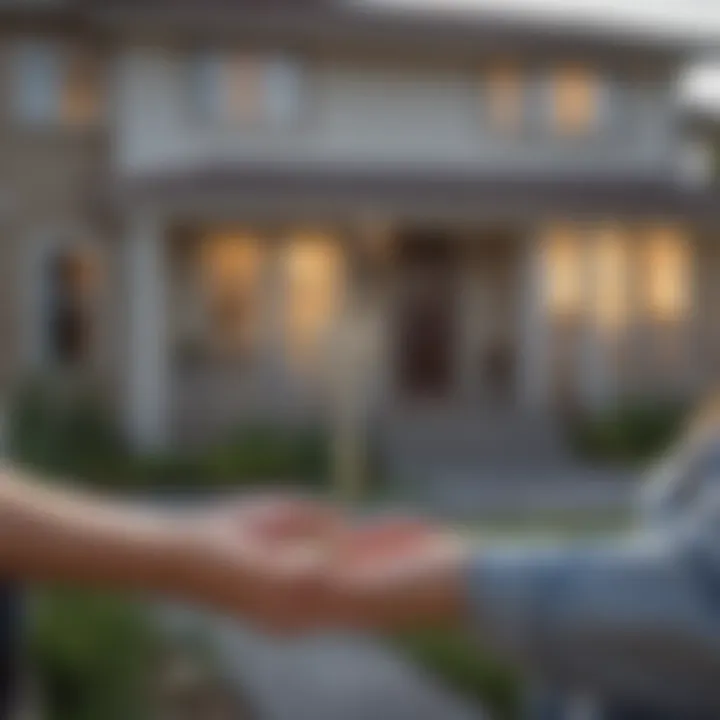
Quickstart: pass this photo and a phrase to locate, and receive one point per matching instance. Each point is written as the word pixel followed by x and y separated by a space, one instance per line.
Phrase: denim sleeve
pixel 630 621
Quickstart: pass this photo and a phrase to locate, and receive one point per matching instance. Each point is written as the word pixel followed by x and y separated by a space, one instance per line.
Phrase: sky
pixel 702 16
pixel 696 18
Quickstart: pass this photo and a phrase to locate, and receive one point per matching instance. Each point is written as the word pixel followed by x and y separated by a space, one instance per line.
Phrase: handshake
pixel 292 565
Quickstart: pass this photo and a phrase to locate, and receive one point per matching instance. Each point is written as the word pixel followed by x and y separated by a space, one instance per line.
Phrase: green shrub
pixel 456 661
pixel 629 433
pixel 67 432
pixel 93 655
pixel 269 454
pixel 64 431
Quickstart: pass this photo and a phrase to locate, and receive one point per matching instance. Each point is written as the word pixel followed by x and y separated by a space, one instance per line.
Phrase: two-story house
pixel 195 194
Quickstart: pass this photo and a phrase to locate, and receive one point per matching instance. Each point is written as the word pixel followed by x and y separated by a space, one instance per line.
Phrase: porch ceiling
pixel 463 193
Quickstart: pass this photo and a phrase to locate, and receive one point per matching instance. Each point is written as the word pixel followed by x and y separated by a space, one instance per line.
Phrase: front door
pixel 425 330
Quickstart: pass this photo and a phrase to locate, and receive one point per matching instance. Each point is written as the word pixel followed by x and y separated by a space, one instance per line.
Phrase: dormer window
pixel 236 89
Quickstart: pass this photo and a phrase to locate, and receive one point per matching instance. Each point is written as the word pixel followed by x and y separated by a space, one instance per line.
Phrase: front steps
pixel 433 444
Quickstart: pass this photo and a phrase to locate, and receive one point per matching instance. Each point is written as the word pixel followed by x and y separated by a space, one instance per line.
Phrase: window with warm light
pixel 610 260
pixel 575 101
pixel 244 90
pixel 53 84
pixel 231 275
pixel 313 269
pixel 70 284
pixel 563 271
pixel 667 274
pixel 82 100
pixel 505 98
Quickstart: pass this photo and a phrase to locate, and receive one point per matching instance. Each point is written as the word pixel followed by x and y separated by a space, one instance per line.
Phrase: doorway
pixel 426 315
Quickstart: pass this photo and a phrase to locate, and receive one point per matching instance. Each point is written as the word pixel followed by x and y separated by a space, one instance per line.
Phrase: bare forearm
pixel 53 535
pixel 420 588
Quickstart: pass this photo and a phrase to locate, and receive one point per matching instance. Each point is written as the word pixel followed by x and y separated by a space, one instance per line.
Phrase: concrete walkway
pixel 323 678
pixel 344 677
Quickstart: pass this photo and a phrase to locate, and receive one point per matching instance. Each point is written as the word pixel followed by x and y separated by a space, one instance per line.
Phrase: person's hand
pixel 263 560
pixel 395 573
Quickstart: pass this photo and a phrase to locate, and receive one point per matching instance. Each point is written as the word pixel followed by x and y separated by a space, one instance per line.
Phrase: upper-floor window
pixel 505 98
pixel 698 161
pixel 237 89
pixel 575 100
pixel 54 85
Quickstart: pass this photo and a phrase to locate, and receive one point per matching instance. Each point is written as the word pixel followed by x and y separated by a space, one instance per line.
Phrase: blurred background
pixel 457 256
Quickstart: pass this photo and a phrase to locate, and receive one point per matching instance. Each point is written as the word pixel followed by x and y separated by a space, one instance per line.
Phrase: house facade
pixel 229 211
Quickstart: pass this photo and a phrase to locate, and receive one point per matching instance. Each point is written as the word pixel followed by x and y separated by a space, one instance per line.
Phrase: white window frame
pixel 520 79
pixel 42 247
pixel 43 74
pixel 279 93
pixel 38 73
pixel 601 119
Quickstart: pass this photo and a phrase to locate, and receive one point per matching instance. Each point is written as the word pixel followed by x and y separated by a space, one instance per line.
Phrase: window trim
pixel 31 61
pixel 504 68
pixel 600 121
pixel 42 247
pixel 61 61
pixel 274 70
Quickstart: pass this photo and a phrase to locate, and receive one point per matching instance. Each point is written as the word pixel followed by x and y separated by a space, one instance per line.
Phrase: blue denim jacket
pixel 618 630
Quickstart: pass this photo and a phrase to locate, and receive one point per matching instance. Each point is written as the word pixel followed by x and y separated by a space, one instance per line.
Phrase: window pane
pixel 231 274
pixel 575 100
pixel 71 285
pixel 504 98
pixel 667 277
pixel 563 263
pixel 283 90
pixel 244 88
pixel 314 281
pixel 205 77
pixel 611 266
pixel 37 82
pixel 237 89
pixel 82 91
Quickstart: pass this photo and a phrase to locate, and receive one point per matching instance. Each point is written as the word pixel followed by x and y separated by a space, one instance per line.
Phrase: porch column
pixel 535 359
pixel 147 391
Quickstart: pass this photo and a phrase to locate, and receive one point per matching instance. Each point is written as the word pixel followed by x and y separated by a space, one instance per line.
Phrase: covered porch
pixel 249 322
pixel 462 296
pixel 232 323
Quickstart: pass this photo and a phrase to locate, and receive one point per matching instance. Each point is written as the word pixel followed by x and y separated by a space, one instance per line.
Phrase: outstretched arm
pixel 47 534
pixel 246 559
